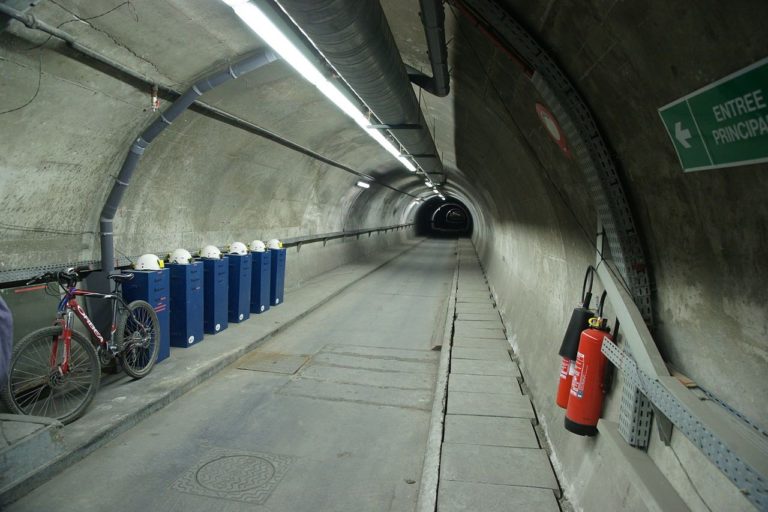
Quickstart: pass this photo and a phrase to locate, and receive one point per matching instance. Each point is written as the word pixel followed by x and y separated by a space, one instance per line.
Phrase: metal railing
pixel 308 239
pixel 18 276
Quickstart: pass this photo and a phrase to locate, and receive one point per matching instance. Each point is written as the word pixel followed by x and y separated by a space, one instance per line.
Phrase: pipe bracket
pixel 139 146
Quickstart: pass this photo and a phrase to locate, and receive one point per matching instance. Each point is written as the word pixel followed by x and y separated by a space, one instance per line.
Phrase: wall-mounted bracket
pixel 664 426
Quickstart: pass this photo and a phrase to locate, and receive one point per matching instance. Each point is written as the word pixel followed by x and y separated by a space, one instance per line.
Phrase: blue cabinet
pixel 240 267
pixel 277 277
pixel 186 304
pixel 260 279
pixel 152 286
pixel 215 295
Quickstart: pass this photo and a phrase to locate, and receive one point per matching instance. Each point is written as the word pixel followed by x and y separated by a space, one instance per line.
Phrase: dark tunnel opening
pixel 448 218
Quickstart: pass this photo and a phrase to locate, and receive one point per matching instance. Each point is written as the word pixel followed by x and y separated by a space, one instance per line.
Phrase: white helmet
pixel 148 262
pixel 180 256
pixel 238 248
pixel 211 252
pixel 258 246
pixel 275 244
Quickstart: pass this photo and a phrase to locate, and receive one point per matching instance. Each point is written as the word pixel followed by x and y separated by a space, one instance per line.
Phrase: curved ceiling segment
pixel 202 181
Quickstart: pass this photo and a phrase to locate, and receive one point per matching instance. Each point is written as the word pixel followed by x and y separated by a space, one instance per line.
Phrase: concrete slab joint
pixel 491 456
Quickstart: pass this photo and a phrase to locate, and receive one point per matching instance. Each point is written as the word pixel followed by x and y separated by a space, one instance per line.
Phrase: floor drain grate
pixel 234 475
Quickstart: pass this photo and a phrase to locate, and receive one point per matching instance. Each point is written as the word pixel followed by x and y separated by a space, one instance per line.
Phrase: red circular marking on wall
pixel 549 121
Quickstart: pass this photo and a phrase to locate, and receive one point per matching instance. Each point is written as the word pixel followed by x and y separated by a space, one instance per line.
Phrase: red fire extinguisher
pixel 570 345
pixel 585 402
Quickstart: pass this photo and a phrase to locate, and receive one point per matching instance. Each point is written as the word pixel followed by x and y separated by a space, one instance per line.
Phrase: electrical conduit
pixel 433 19
pixel 106 220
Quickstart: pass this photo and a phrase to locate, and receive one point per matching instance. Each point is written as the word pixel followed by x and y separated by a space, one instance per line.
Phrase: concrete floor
pixel 346 432
pixel 491 458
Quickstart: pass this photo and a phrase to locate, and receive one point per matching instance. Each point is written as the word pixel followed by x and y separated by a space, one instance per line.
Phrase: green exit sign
pixel 724 124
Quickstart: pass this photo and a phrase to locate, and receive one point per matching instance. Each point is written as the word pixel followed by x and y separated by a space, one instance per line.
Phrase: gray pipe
pixel 202 108
pixel 246 65
pixel 433 19
pixel 33 23
pixel 355 38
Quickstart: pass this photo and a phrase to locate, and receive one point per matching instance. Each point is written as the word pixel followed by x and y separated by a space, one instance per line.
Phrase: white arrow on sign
pixel 682 136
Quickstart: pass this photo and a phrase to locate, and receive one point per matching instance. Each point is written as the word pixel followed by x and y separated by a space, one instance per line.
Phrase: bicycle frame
pixel 68 308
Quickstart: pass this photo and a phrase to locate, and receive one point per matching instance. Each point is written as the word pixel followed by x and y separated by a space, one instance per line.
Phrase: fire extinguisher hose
pixel 586 290
pixel 601 304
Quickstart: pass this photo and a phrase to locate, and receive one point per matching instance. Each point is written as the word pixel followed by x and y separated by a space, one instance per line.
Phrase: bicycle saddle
pixel 120 278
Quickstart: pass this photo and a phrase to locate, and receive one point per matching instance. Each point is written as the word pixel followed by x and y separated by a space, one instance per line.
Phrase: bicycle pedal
pixel 111 368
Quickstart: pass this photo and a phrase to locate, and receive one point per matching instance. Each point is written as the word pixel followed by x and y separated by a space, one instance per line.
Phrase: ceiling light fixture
pixel 260 23
pixel 363 184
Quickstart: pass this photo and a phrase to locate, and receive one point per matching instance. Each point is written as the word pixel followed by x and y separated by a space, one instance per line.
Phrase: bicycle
pixel 55 371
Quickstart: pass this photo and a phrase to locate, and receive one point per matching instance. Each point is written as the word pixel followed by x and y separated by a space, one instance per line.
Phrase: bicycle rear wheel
pixel 35 386
pixel 139 339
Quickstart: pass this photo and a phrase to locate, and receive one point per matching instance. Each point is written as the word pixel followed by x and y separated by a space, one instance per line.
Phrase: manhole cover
pixel 235 473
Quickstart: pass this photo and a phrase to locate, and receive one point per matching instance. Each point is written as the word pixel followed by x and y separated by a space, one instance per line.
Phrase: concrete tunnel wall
pixel 205 182
pixel 202 182
pixel 704 232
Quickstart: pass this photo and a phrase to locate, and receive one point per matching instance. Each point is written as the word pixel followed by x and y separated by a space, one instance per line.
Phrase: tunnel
pixel 363 255
pixel 446 217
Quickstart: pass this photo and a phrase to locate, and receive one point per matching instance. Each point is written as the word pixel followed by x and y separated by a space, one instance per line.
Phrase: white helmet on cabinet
pixel 238 248
pixel 180 257
pixel 275 244
pixel 211 252
pixel 148 262
pixel 258 246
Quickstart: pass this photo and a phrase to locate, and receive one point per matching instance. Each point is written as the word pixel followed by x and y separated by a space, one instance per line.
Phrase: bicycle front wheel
pixel 139 339
pixel 35 385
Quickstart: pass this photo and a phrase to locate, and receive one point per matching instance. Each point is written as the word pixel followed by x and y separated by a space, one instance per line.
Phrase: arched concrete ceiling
pixel 202 181
pixel 206 182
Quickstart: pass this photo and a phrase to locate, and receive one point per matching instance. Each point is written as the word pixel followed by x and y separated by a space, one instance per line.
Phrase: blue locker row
pixel 202 297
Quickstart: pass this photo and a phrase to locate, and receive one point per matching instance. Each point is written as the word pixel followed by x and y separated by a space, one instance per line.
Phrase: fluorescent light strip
pixel 265 29
pixel 363 184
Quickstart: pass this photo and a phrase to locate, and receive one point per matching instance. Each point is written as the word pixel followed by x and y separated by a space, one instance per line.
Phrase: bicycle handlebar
pixel 70 275
pixel 42 278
